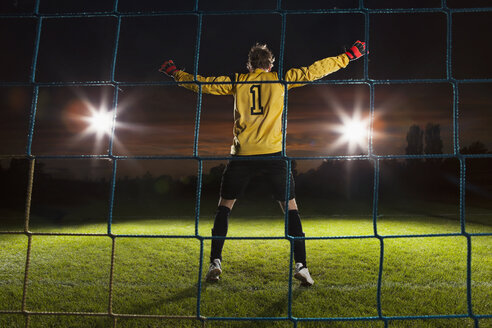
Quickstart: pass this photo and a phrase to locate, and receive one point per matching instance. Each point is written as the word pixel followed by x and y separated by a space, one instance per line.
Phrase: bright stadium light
pixel 100 121
pixel 86 121
pixel 354 131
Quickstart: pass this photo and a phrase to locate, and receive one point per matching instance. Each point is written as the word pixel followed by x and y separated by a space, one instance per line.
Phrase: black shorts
pixel 238 173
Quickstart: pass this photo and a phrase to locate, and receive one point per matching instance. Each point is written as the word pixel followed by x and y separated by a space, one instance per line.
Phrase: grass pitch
pixel 421 276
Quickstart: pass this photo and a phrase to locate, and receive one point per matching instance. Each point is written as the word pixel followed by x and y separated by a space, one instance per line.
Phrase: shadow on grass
pixel 277 308
pixel 190 292
pixel 155 306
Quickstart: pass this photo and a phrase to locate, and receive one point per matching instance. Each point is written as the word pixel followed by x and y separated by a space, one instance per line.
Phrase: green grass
pixel 422 276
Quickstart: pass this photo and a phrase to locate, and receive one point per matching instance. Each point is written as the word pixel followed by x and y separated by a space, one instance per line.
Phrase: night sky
pixel 159 120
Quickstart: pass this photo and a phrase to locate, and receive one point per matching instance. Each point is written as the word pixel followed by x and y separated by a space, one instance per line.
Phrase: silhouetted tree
pixel 476 147
pixel 415 141
pixel 433 142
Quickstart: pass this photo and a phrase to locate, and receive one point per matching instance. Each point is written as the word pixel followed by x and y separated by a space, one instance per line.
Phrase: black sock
pixel 295 229
pixel 219 229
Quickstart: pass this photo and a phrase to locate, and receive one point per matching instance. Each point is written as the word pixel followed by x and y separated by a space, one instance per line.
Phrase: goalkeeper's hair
pixel 259 57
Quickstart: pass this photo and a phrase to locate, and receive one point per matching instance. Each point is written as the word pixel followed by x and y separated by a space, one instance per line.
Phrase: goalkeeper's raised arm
pixel 325 66
pixel 170 69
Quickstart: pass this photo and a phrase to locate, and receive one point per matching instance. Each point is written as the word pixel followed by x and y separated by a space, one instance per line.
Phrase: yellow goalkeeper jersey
pixel 258 107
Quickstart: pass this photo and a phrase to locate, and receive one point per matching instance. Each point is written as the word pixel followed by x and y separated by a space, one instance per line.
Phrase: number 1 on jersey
pixel 255 91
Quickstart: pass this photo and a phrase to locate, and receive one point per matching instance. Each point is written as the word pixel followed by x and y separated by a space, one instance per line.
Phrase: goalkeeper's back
pixel 259 101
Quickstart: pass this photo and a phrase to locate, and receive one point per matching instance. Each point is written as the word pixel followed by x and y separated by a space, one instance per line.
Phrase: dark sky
pixel 159 120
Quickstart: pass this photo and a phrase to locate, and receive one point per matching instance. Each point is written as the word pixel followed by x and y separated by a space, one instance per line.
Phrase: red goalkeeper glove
pixel 358 50
pixel 168 68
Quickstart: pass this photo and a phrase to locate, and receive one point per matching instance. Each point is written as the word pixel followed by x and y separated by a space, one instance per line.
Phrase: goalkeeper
pixel 258 109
